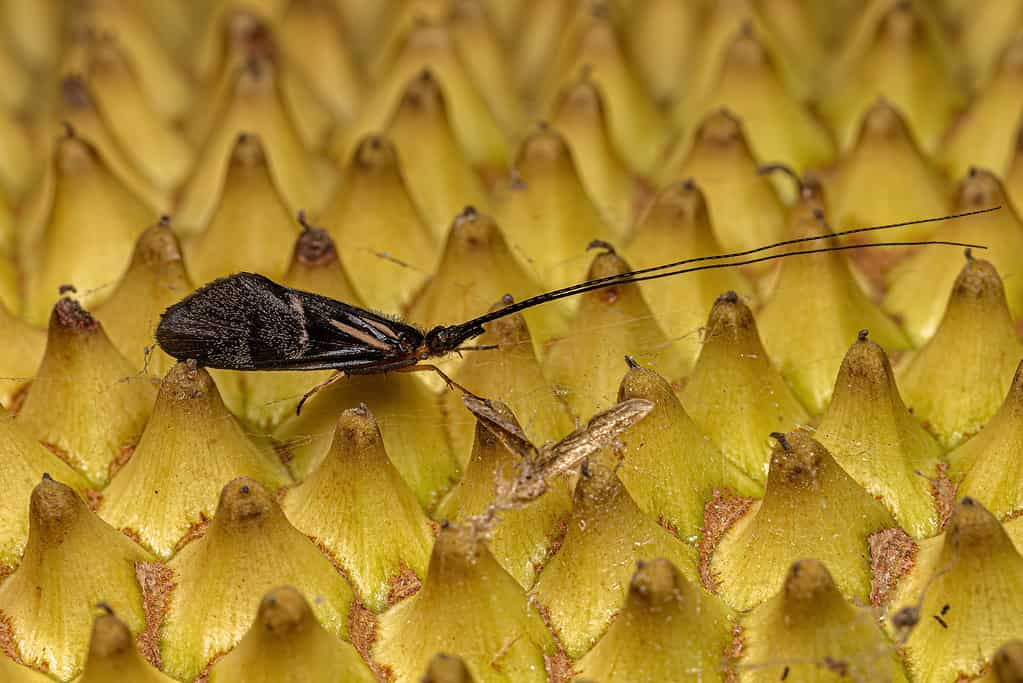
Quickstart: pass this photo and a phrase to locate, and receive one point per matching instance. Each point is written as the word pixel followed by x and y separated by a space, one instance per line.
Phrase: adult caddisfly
pixel 248 322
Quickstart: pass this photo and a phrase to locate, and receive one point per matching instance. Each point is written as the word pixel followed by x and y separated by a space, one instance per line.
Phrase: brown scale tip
pixel 862 335
pixel 973 527
pixel 516 181
pixel 882 120
pixel 357 430
pixel 472 231
pixel 720 128
pixel 375 152
pixel 729 297
pixel 283 611
pixel 632 363
pixel 111 637
pixel 243 502
pixel 978 280
pixel 314 247
pixel 655 582
pixel 186 381
pixel 457 547
pixel 797 460
pixel 807 579
pixel 681 202
pixel 1008 662
pixel 423 93
pixel 69 314
pixel 445 668
pixel 256 78
pixel 605 265
pixel 248 150
pixel 746 50
pixel 544 146
pixel 469 213
pixel 157 244
pixel 507 299
pixel 245 27
pixel 53 509
pixel 900 24
pixel 599 485
pixel 582 95
pixel 980 188
pixel 601 244
pixel 74 93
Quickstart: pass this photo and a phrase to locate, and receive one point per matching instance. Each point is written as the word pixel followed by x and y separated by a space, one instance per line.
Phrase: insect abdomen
pixel 236 323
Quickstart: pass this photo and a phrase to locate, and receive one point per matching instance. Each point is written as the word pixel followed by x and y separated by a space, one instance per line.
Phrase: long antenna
pixel 630 276
pixel 609 280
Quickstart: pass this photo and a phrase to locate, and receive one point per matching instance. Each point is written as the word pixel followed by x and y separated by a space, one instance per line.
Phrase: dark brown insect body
pixel 248 322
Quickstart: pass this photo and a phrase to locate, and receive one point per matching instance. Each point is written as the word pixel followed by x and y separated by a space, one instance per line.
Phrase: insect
pixel 248 322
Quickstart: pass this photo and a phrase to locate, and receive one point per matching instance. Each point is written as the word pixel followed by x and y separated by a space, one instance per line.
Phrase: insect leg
pixel 337 376
pixel 452 384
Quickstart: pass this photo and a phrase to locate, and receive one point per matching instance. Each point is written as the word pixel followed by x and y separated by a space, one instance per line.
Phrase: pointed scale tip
pixel 445 668
pixel 286 642
pixel 880 444
pixel 661 610
pixel 314 246
pixel 808 496
pixel 383 557
pixel 1008 663
pixel 110 636
pixel 69 315
pixel 283 611
pixel 376 152
pixel 809 627
pixel 972 579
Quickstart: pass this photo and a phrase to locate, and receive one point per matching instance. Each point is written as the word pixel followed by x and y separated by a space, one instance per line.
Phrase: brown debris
pixel 892 555
pixel 719 515
pixel 204 675
pixel 559 667
pixel 18 399
pixel 8 641
pixel 733 654
pixel 70 314
pixel 196 530
pixel 120 460
pixel 554 541
pixel 668 526
pixel 132 534
pixel 157 582
pixel 62 454
pixel 405 583
pixel 944 491
pixel 362 632
pixel 93 499
pixel 362 622
pixel 314 246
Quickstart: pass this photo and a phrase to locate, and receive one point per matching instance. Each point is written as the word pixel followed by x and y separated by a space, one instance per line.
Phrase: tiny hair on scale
pixel 248 322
